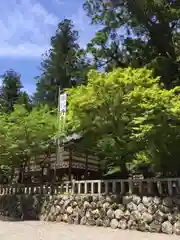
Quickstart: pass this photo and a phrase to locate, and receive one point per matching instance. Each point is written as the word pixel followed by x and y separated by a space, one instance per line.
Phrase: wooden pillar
pixel 99 169
pixel 86 168
pixel 42 173
pixel 170 189
pixel 70 164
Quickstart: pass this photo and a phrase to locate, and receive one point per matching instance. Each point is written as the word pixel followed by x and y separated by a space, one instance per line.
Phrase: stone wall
pixel 151 214
pixel 24 207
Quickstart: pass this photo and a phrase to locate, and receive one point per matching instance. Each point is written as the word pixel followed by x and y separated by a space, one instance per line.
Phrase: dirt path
pixel 59 231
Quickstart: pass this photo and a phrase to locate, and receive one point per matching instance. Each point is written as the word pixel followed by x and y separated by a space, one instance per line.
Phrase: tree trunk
pixel 12 175
pixel 123 171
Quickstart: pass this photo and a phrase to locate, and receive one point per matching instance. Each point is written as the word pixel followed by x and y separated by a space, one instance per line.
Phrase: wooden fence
pixel 162 187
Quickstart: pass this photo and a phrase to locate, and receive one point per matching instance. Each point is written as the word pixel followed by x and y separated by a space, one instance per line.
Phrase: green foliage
pixel 25 100
pixel 25 135
pixel 159 128
pixel 137 33
pixel 3 134
pixel 63 66
pixel 11 92
pixel 132 121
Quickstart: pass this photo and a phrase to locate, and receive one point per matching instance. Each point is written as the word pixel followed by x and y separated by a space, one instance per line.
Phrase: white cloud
pixel 80 19
pixel 59 2
pixel 23 50
pixel 83 25
pixel 26 27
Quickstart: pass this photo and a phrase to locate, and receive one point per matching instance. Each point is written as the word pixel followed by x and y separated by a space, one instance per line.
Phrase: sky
pixel 26 27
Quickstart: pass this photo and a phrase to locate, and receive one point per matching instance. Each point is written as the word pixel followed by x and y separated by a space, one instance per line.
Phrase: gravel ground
pixel 59 231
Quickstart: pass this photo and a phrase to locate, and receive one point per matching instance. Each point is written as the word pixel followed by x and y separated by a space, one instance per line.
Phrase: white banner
pixel 62 103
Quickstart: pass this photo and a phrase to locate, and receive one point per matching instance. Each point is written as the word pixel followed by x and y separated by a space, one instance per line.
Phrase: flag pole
pixel 58 138
pixel 61 118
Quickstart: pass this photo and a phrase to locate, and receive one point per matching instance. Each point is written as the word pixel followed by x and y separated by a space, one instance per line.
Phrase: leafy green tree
pixel 3 136
pixel 158 128
pixel 26 100
pixel 63 66
pixel 5 168
pixel 137 33
pixel 10 90
pixel 128 120
pixel 26 135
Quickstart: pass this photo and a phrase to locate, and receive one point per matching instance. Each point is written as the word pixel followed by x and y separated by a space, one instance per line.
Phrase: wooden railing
pixel 36 188
pixel 131 186
pixel 162 187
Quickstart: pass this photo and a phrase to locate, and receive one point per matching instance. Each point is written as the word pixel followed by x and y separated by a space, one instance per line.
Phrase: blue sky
pixel 26 27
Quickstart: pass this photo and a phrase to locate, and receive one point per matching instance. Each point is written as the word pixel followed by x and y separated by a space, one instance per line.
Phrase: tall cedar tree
pixel 63 66
pixel 10 90
pixel 137 33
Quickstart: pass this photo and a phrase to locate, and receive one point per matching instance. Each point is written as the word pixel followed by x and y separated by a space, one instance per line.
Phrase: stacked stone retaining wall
pixel 152 214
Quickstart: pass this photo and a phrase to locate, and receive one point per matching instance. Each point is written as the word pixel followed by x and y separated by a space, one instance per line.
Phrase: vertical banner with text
pixel 62 106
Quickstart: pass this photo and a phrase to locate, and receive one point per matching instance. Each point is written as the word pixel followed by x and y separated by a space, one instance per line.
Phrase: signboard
pixel 62 102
